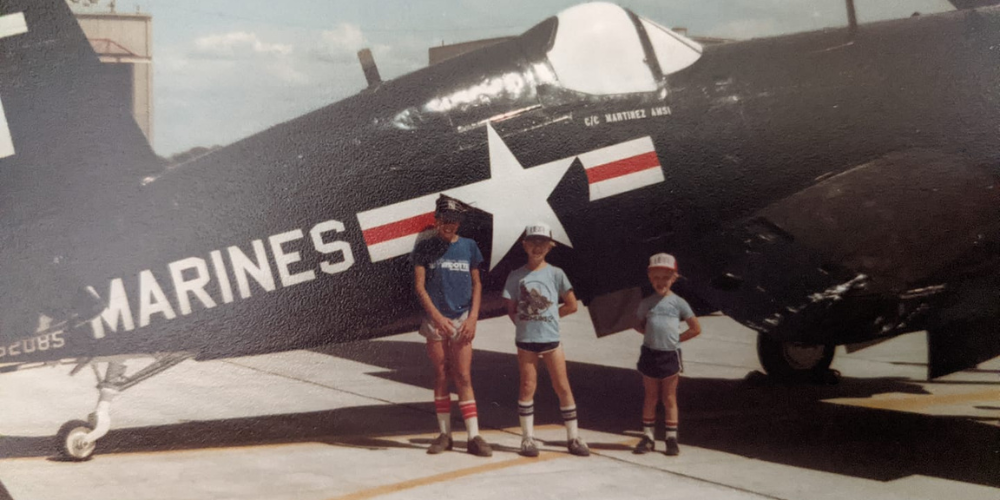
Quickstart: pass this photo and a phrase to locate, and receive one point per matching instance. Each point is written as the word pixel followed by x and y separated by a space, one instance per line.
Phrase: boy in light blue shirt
pixel 533 292
pixel 658 319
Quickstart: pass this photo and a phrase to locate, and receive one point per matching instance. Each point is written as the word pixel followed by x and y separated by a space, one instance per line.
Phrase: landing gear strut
pixel 795 361
pixel 76 439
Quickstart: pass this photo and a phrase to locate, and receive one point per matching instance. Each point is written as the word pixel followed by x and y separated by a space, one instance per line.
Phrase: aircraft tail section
pixel 70 153
pixel 64 111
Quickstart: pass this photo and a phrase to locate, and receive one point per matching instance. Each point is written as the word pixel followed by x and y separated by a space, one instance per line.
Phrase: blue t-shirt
pixel 663 316
pixel 536 294
pixel 449 266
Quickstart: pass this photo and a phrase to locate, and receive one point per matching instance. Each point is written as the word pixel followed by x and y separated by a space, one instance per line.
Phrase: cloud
pixel 286 72
pixel 339 45
pixel 237 45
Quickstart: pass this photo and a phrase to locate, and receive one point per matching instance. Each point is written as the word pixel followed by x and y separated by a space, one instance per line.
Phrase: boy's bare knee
pixel 527 389
pixel 462 379
pixel 562 389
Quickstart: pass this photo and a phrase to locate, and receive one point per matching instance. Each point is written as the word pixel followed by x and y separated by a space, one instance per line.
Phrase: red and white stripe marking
pixel 393 230
pixel 622 168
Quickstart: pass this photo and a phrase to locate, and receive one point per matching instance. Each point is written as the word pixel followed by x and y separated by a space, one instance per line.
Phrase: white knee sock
pixel 442 406
pixel 526 414
pixel 569 418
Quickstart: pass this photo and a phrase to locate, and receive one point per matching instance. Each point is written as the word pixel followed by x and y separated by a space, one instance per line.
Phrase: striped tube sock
pixel 442 406
pixel 647 428
pixel 671 430
pixel 569 418
pixel 526 413
pixel 471 417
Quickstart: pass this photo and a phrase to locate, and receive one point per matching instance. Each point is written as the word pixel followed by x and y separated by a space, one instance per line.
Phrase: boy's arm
pixel 420 280
pixel 694 329
pixel 569 304
pixel 640 318
pixel 511 310
pixel 467 331
pixel 640 326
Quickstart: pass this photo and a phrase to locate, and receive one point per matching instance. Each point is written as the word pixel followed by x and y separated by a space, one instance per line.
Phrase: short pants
pixel 430 330
pixel 659 364
pixel 537 347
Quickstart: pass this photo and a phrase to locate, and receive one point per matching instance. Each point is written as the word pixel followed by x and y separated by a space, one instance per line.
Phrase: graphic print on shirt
pixel 453 265
pixel 532 302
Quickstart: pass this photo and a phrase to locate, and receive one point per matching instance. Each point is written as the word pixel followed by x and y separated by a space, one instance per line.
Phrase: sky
pixel 226 69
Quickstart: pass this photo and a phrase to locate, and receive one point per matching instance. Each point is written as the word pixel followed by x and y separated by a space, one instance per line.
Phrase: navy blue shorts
pixel 659 364
pixel 537 347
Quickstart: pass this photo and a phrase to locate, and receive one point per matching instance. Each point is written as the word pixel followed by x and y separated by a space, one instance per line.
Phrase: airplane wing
pixel 67 142
pixel 973 4
pixel 825 263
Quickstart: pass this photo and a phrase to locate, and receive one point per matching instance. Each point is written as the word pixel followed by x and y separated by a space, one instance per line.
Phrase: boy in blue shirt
pixel 659 317
pixel 533 292
pixel 446 278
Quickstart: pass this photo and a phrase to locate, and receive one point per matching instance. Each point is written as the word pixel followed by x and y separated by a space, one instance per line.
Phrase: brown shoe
pixel 479 447
pixel 672 448
pixel 578 447
pixel 529 448
pixel 645 446
pixel 440 444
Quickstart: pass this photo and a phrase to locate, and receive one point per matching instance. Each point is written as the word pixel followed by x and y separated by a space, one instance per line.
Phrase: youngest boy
pixel 659 317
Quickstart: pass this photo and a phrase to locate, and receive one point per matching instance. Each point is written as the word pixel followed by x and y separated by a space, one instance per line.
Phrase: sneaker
pixel 441 443
pixel 479 447
pixel 578 447
pixel 645 446
pixel 672 448
pixel 528 447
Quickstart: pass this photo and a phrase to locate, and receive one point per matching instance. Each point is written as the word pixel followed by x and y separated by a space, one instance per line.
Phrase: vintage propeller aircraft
pixel 825 188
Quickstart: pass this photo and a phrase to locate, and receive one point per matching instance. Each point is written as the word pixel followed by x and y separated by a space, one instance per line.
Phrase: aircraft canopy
pixel 601 48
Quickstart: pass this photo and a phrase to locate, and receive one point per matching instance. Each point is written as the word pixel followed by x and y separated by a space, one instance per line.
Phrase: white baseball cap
pixel 538 230
pixel 663 260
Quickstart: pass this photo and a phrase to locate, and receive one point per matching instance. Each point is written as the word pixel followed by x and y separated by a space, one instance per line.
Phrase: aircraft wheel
pixel 755 378
pixel 794 361
pixel 831 377
pixel 70 443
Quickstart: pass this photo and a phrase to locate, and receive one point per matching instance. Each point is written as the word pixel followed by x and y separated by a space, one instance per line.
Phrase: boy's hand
pixel 467 331
pixel 444 325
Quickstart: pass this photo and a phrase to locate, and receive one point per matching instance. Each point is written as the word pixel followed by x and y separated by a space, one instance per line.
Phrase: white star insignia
pixel 515 196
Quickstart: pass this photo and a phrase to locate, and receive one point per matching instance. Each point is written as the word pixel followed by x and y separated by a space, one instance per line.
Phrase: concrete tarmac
pixel 353 421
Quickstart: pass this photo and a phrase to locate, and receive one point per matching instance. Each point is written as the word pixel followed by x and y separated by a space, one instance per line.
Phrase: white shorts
pixel 430 330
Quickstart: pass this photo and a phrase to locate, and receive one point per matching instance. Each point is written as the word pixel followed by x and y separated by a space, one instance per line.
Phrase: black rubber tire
pixel 789 361
pixel 62 441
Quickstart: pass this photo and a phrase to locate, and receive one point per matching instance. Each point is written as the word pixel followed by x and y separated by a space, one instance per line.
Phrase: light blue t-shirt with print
pixel 663 316
pixel 536 294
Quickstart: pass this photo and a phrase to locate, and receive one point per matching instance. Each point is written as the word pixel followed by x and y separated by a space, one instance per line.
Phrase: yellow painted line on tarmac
pixel 916 403
pixel 544 456
pixel 449 476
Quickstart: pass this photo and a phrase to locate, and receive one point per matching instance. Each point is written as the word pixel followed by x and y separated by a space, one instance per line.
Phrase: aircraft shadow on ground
pixel 781 424
pixel 786 424
pixel 348 427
